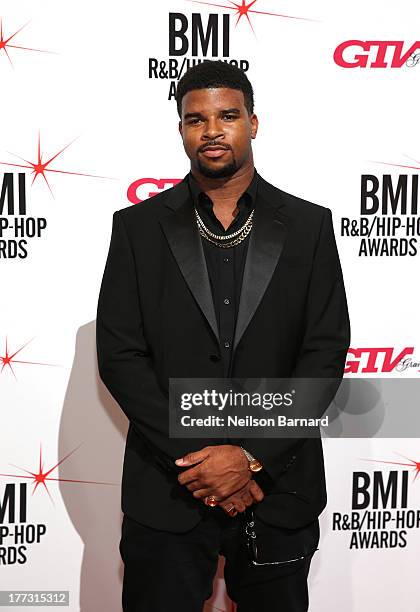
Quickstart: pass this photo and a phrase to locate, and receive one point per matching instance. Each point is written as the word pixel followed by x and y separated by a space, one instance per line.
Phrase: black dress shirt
pixel 225 266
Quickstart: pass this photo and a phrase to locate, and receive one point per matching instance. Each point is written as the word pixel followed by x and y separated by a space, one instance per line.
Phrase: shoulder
pixel 294 206
pixel 153 207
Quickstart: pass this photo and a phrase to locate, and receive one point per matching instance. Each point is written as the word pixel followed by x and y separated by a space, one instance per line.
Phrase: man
pixel 224 275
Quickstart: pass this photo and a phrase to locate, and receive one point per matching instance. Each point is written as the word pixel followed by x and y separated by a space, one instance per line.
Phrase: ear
pixel 180 126
pixel 254 125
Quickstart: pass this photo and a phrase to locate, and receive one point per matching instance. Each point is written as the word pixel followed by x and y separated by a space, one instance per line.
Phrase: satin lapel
pixel 265 246
pixel 185 242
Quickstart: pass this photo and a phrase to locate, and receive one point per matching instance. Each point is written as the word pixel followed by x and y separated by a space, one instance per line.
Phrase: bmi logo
pixel 194 37
pixel 380 516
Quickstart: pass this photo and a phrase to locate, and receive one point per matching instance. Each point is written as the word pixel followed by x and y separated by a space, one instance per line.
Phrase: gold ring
pixel 211 501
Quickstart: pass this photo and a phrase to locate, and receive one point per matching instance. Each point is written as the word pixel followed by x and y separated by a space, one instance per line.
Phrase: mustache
pixel 213 144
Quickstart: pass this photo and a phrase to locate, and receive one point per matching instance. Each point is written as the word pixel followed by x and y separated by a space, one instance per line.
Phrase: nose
pixel 212 129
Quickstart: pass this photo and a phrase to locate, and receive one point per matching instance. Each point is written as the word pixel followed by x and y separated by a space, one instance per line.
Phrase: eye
pixel 229 116
pixel 193 120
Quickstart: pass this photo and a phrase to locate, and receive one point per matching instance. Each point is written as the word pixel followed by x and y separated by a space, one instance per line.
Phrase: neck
pixel 227 189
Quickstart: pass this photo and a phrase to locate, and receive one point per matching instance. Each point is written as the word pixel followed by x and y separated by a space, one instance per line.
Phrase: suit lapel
pixel 266 243
pixel 265 246
pixel 185 242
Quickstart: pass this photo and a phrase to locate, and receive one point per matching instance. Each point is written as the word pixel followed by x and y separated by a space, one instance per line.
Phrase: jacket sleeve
pixel 326 340
pixel 125 361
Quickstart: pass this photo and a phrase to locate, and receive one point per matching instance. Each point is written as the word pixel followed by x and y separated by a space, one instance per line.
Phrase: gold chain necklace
pixel 216 239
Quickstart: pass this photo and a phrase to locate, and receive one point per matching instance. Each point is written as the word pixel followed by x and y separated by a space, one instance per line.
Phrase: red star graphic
pixel 400 165
pixel 413 464
pixel 40 477
pixel 8 359
pixel 40 167
pixel 244 9
pixel 5 42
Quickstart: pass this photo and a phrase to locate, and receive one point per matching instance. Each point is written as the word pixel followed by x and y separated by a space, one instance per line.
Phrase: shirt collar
pixel 246 200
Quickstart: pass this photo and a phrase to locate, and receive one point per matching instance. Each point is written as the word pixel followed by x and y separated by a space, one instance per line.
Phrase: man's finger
pixel 256 491
pixel 230 509
pixel 239 504
pixel 195 485
pixel 247 498
pixel 192 458
pixel 188 476
pixel 201 493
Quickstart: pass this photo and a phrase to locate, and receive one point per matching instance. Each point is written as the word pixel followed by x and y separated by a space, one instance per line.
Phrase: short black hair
pixel 215 73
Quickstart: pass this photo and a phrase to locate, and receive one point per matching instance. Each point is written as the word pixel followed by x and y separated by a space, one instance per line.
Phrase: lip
pixel 214 152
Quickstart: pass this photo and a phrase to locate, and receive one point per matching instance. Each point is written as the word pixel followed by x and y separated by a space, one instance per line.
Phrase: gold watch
pixel 254 464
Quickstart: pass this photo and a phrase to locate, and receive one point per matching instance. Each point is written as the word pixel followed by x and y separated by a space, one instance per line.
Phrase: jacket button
pixel 214 358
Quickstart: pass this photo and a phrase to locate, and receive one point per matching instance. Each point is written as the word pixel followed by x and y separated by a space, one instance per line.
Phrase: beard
pixel 227 170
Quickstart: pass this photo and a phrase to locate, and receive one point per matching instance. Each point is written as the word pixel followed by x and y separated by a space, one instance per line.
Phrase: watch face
pixel 255 466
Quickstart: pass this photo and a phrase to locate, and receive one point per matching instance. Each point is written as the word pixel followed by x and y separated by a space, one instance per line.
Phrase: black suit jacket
pixel 156 320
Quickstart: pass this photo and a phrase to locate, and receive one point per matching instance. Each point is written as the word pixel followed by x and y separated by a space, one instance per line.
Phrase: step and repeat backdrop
pixel 88 125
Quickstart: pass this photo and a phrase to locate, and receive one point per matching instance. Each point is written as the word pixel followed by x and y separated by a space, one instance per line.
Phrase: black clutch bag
pixel 269 545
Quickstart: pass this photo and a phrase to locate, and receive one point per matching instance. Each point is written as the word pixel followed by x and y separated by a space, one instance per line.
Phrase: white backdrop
pixel 78 75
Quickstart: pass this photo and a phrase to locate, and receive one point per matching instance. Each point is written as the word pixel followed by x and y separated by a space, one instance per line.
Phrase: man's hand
pixel 243 498
pixel 222 470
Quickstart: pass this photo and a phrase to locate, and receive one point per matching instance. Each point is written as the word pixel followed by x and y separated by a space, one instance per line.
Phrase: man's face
pixel 217 118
